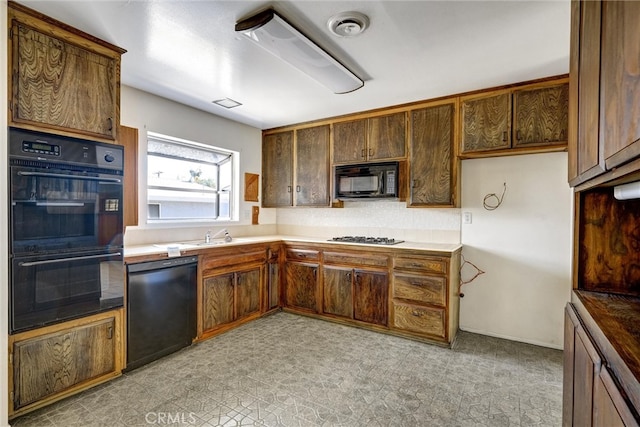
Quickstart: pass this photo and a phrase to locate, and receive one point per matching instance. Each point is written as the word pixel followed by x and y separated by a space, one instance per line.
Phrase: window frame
pixel 233 157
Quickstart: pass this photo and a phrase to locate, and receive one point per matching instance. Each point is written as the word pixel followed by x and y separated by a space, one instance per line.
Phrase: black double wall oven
pixel 66 228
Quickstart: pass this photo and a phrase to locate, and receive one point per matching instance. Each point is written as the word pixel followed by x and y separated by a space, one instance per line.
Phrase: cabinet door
pixel 387 137
pixel 301 286
pixel 218 298
pixel 486 122
pixel 277 166
pixel 64 86
pixel 570 324
pixel 620 81
pixel 273 284
pixel 587 364
pixel 349 141
pixel 312 166
pixel 431 148
pixel 247 292
pixel 541 116
pixel 609 406
pixel 337 291
pixel 371 297
pixel 56 362
pixel 585 155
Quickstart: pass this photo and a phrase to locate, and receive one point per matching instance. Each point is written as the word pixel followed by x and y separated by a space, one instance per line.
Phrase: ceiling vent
pixel 348 24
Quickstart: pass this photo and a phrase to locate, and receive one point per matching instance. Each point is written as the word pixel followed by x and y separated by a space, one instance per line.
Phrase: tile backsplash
pixel 374 218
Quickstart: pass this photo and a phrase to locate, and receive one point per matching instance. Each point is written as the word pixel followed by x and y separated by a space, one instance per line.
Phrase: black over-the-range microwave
pixel 367 180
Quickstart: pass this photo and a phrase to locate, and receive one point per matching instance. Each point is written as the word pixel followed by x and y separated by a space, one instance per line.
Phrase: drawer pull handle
pixel 110 332
pixel 415 313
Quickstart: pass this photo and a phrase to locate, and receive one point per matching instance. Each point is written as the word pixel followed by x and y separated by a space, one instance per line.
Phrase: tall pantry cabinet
pixel 602 344
pixel 65 82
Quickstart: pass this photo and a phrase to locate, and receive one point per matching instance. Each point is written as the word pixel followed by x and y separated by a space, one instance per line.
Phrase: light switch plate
pixel 466 217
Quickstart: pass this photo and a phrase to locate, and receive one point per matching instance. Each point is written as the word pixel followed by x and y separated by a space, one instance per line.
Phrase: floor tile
pixel 287 370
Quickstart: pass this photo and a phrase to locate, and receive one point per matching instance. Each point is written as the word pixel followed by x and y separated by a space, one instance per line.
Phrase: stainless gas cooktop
pixel 367 240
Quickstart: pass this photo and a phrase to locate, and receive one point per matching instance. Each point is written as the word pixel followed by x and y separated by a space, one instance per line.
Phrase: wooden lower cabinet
pixel 301 286
pixel 273 278
pixel 371 290
pixel 56 361
pixel 231 296
pixel 590 395
pixel 424 296
pixel 355 294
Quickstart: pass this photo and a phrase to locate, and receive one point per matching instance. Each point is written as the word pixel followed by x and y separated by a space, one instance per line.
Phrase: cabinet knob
pixel 288 189
pixel 370 152
pixel 297 188
pixel 362 153
pixel 414 183
pixel 415 313
pixel 505 136
pixel 110 123
pixel 110 332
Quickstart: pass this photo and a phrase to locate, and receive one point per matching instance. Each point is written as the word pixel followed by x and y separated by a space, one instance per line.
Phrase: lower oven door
pixel 49 289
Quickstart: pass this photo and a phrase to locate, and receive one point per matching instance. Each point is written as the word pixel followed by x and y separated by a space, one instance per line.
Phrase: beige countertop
pixel 182 247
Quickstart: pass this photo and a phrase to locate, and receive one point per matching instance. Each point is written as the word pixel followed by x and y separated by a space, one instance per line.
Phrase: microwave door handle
pixel 57 175
pixel 75 258
pixel 381 183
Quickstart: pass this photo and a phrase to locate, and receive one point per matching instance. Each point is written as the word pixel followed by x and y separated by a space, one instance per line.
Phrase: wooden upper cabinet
pixel 541 115
pixel 486 122
pixel 585 155
pixel 528 118
pixel 433 164
pixel 620 82
pixel 312 166
pixel 605 94
pixel 62 79
pixel 370 139
pixel 349 141
pixel 387 137
pixel 277 169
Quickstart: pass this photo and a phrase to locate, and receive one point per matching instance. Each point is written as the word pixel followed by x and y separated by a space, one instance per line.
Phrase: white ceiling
pixel 188 51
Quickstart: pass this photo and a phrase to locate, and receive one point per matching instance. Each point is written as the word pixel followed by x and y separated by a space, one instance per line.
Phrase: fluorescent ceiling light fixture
pixel 271 32
pixel 226 102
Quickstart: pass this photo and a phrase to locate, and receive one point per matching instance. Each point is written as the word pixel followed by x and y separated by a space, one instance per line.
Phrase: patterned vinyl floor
pixel 289 370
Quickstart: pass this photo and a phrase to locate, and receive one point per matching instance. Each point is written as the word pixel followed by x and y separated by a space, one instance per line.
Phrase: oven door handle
pixel 76 258
pixel 56 175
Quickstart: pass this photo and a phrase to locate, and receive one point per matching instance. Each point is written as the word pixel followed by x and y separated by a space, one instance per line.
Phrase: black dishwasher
pixel 161 308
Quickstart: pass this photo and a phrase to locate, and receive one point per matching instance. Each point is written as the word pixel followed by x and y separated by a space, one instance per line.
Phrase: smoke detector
pixel 348 24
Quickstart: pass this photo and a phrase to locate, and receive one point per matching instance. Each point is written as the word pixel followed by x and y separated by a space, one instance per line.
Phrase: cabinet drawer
pixel 216 261
pixel 353 259
pixel 428 289
pixel 302 254
pixel 430 264
pixel 423 320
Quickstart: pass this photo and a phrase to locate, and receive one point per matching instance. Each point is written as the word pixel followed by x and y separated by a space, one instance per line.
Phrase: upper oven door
pixel 53 209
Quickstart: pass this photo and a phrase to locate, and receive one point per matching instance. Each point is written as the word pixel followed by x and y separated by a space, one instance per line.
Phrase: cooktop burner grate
pixel 367 240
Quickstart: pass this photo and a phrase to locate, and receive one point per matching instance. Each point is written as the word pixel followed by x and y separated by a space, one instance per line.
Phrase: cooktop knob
pixel 109 158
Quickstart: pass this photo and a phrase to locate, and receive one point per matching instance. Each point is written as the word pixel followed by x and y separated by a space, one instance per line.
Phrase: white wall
pixel 148 112
pixel 4 232
pixel 524 247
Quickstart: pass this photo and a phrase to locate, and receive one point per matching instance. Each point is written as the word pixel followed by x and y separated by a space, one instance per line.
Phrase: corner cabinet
pixel 605 87
pixel 62 79
pixel 433 165
pixel 54 362
pixel 518 120
pixel 300 290
pixel 295 167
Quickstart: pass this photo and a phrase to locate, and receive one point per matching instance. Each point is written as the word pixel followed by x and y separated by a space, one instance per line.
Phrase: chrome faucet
pixel 208 236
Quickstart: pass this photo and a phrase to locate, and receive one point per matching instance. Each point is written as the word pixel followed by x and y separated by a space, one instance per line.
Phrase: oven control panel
pixel 41 147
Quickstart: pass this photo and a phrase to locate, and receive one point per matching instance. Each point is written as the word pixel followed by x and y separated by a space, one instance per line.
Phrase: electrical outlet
pixel 466 217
